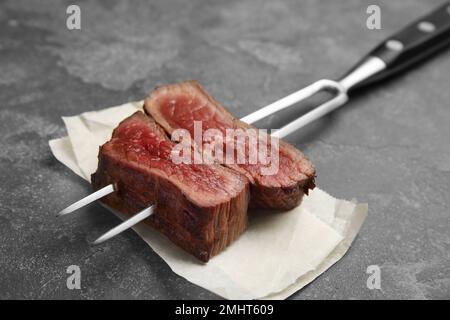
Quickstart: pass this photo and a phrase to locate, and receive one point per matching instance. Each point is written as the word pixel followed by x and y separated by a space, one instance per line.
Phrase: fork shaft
pixel 366 69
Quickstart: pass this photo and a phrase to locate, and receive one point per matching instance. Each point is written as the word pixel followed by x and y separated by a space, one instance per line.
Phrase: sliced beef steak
pixel 177 106
pixel 201 208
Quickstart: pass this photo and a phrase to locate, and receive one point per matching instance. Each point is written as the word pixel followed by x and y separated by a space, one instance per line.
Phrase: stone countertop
pixel 390 146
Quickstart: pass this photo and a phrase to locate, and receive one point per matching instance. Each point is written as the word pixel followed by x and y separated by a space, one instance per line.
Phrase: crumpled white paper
pixel 278 254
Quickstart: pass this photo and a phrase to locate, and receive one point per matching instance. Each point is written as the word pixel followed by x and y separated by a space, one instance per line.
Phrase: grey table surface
pixel 390 146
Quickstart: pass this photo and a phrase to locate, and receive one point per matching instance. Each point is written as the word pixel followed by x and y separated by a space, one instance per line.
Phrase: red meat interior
pixel 180 110
pixel 143 143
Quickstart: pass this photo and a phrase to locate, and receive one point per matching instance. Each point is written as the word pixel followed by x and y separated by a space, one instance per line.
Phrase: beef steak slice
pixel 177 106
pixel 201 208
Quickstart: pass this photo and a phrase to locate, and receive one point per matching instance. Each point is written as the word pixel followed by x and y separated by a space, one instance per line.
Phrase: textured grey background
pixel 389 146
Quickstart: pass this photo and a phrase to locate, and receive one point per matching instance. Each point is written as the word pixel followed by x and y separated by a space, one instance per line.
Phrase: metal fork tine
pixel 86 200
pixel 125 225
pixel 312 115
pixel 285 102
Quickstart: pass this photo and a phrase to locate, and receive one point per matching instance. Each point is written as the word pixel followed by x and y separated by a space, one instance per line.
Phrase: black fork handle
pixel 417 41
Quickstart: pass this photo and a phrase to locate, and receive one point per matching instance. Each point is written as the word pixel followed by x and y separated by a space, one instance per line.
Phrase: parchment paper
pixel 278 254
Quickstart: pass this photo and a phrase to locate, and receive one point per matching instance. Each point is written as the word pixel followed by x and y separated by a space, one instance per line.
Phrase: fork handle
pixel 414 43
